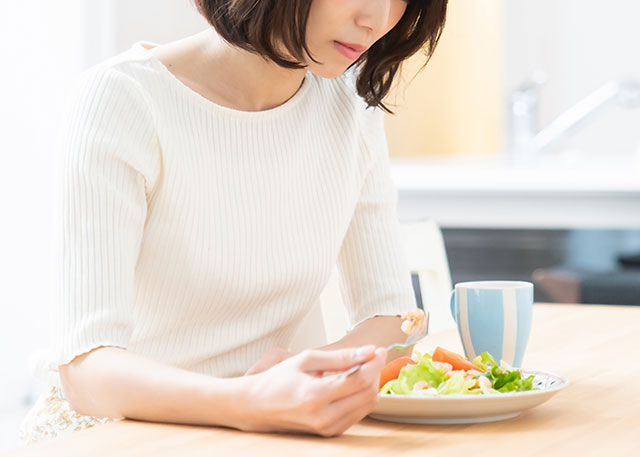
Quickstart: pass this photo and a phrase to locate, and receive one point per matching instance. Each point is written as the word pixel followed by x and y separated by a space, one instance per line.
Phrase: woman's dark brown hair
pixel 268 26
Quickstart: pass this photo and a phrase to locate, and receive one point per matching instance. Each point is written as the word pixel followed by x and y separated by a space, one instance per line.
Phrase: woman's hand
pixel 269 359
pixel 294 396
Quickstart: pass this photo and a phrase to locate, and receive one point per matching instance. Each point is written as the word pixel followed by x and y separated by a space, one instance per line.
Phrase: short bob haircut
pixel 264 26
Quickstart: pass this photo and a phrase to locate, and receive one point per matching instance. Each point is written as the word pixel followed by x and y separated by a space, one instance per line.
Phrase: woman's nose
pixel 374 15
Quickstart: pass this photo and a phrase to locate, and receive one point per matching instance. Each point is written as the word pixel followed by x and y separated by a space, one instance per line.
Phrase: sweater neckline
pixel 296 99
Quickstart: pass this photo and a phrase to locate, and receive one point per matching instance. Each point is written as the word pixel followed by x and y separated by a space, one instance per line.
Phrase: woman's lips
pixel 349 50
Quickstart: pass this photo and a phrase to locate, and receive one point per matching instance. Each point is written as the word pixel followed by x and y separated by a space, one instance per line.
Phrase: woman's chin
pixel 328 71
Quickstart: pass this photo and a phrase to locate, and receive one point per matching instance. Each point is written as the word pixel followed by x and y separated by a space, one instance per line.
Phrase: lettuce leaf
pixel 484 361
pixel 502 377
pixel 410 374
pixel 456 384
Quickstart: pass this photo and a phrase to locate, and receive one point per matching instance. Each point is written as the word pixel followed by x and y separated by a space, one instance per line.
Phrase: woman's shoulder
pixel 110 113
pixel 112 94
pixel 126 75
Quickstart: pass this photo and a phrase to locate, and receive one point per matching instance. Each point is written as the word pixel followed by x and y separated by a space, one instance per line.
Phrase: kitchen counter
pixel 595 347
pixel 485 193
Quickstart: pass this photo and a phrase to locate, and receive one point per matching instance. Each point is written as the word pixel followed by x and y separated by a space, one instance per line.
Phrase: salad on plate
pixel 445 372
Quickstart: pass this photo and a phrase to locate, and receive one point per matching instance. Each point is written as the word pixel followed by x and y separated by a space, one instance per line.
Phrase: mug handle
pixel 453 304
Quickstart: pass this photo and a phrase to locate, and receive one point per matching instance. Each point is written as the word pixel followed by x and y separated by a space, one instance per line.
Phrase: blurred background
pixel 520 140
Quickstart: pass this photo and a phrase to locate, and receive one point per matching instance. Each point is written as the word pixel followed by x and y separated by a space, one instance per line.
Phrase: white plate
pixel 466 409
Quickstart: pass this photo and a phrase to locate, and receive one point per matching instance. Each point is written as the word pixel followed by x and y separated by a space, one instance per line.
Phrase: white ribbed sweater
pixel 199 235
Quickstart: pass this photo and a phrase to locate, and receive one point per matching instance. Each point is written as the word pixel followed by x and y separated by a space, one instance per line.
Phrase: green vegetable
pixel 456 384
pixel 484 361
pixel 502 379
pixel 410 374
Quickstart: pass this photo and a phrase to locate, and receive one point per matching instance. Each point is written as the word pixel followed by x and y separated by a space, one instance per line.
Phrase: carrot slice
pixel 456 360
pixel 392 369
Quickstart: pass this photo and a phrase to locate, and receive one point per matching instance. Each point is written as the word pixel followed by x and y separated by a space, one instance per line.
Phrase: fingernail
pixel 364 352
pixel 381 351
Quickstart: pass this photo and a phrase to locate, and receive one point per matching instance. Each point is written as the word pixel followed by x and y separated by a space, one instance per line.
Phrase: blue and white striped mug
pixel 493 316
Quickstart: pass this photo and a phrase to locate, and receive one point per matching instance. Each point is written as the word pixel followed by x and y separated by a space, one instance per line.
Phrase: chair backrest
pixel 426 256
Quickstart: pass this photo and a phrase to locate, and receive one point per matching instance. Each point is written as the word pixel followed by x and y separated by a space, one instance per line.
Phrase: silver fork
pixel 416 335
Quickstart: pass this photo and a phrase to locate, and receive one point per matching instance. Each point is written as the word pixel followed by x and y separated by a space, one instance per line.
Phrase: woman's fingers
pixel 341 414
pixel 367 377
pixel 342 359
pixel 290 397
pixel 350 409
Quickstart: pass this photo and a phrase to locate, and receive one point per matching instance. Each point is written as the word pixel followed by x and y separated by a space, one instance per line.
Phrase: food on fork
pixel 412 320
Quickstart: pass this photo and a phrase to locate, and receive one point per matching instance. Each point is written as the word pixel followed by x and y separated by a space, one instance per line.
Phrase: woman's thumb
pixel 337 360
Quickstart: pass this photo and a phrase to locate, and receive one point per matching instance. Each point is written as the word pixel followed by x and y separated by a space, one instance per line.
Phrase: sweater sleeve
pixel 107 167
pixel 374 275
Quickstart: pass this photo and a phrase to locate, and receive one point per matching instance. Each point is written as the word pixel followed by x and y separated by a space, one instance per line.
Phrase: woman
pixel 207 189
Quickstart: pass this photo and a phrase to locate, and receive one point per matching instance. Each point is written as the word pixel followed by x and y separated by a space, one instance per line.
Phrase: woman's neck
pixel 227 75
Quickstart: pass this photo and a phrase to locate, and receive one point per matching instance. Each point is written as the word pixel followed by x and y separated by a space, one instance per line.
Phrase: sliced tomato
pixel 392 369
pixel 456 360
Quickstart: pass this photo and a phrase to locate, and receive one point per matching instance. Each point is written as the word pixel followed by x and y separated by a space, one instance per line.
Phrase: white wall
pixel 40 55
pixel 157 21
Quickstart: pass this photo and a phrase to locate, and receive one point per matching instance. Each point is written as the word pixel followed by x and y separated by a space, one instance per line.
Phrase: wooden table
pixel 596 347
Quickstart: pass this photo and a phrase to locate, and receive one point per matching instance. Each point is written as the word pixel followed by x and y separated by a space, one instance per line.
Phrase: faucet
pixel 527 140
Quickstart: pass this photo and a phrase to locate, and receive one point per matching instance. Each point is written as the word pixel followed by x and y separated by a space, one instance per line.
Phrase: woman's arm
pixel 372 265
pixel 290 396
pixel 379 330
pixel 113 382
